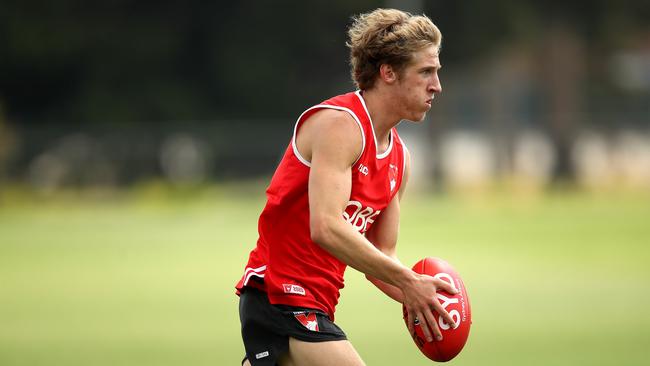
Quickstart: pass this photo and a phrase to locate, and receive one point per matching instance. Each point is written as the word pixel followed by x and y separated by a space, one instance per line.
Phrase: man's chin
pixel 417 118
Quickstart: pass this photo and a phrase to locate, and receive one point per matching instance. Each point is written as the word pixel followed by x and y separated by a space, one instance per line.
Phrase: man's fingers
pixel 444 314
pixel 427 316
pixel 410 321
pixel 425 327
pixel 433 324
pixel 446 286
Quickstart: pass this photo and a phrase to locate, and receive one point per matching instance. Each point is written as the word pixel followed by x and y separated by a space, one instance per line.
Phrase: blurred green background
pixel 137 138
pixel 147 278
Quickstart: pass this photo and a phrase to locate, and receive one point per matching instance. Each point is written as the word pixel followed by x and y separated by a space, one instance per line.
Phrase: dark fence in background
pixel 182 152
pixel 454 153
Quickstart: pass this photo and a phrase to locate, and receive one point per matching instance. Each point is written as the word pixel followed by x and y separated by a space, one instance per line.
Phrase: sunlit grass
pixel 146 277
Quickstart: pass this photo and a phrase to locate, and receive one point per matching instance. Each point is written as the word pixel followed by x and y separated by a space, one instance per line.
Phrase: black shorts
pixel 266 328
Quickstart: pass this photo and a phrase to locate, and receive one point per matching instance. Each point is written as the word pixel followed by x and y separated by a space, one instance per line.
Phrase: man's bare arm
pixel 384 232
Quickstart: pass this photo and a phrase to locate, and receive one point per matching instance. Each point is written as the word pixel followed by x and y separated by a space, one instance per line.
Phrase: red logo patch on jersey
pixel 309 320
pixel 293 289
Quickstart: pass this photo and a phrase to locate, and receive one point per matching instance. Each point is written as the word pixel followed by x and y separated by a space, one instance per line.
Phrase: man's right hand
pixel 420 300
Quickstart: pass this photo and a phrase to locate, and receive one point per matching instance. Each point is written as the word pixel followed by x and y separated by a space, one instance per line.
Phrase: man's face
pixel 418 83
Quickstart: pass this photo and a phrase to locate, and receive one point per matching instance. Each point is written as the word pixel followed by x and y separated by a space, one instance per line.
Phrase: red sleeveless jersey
pixel 295 270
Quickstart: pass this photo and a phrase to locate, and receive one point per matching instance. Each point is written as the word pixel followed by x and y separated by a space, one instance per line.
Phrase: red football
pixel 453 340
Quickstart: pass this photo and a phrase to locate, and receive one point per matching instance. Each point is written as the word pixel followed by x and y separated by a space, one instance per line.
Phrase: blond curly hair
pixel 387 36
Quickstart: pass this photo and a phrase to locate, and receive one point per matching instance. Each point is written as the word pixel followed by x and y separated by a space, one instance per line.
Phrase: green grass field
pixel 146 279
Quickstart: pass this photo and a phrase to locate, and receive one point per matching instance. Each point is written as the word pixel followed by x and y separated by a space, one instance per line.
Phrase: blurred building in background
pixel 113 94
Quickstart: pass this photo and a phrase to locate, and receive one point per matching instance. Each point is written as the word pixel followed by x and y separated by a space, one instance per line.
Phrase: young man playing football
pixel 334 202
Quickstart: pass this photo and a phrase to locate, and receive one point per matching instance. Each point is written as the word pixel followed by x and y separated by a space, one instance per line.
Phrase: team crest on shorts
pixel 309 320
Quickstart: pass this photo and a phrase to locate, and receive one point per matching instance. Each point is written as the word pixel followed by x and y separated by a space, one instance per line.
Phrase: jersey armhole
pixel 311 111
pixel 405 155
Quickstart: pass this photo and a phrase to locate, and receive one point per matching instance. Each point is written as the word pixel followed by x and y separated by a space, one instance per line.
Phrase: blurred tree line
pixel 133 61
pixel 117 91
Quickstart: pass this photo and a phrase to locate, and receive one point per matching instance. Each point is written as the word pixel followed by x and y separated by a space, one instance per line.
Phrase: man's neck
pixel 382 112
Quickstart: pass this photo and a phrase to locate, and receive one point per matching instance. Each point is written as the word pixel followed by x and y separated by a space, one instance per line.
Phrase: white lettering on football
pixel 455 315
pixel 446 301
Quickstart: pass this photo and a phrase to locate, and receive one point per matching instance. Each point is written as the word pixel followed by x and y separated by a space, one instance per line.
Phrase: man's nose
pixel 436 86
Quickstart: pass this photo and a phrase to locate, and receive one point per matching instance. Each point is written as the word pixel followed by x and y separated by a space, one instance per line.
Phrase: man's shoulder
pixel 333 124
pixel 342 98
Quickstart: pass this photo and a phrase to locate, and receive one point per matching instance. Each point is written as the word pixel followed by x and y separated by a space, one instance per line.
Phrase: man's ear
pixel 387 73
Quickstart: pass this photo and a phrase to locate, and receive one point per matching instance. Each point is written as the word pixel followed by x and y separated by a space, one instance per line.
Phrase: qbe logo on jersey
pixel 361 218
